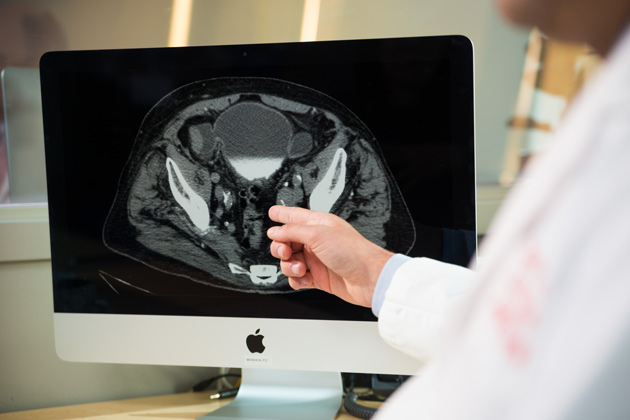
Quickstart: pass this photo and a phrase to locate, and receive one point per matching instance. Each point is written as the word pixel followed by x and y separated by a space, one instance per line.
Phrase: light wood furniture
pixel 172 407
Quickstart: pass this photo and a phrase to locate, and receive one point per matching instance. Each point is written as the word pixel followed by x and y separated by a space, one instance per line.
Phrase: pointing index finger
pixel 285 215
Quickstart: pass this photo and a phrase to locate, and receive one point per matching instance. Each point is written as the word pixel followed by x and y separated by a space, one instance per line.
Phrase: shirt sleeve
pixel 418 298
pixel 384 280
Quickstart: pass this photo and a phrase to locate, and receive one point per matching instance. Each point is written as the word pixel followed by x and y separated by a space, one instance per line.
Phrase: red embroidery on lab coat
pixel 516 311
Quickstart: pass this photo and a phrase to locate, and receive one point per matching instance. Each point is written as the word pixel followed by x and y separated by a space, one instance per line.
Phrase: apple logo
pixel 254 342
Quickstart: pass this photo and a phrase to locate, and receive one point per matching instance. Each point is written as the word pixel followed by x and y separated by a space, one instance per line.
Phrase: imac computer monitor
pixel 162 164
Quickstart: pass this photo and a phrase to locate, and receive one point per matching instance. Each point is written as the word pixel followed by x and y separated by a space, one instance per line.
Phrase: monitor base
pixel 283 395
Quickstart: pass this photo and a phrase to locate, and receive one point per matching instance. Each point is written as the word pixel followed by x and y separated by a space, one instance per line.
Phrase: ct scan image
pixel 211 157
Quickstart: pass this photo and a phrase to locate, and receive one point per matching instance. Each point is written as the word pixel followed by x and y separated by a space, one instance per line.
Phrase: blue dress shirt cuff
pixel 385 279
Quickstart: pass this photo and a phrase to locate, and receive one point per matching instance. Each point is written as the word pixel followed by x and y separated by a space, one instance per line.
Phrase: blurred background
pixel 523 83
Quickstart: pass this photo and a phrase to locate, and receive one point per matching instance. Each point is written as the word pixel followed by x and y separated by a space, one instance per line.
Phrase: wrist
pixel 377 261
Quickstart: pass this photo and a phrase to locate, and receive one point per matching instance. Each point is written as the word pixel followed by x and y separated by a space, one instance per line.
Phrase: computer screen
pixel 162 163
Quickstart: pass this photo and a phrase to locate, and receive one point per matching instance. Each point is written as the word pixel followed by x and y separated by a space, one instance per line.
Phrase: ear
pixel 332 185
pixel 195 207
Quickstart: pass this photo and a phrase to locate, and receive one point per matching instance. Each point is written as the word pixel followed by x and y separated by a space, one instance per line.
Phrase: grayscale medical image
pixel 211 157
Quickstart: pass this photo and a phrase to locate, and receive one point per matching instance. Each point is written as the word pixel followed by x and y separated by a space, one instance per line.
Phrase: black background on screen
pixel 414 94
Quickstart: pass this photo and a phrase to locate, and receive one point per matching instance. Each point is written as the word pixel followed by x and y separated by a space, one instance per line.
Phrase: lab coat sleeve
pixel 417 303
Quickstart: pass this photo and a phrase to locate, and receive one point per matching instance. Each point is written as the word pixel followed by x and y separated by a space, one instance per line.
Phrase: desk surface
pixel 168 407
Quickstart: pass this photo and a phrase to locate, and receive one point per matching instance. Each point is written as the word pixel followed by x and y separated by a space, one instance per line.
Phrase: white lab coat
pixel 544 332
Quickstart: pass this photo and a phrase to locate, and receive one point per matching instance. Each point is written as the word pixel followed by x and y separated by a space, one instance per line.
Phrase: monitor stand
pixel 283 395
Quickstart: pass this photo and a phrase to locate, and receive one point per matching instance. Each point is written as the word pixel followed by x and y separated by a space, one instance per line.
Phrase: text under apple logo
pixel 255 342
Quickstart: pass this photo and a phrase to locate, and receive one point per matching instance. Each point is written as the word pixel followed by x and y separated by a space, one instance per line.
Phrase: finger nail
pixel 295 269
pixel 280 252
pixel 300 282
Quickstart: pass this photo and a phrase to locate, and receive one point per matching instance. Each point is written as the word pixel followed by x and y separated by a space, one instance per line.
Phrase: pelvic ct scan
pixel 211 157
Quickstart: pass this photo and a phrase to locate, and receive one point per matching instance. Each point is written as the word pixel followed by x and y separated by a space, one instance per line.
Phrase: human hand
pixel 320 250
